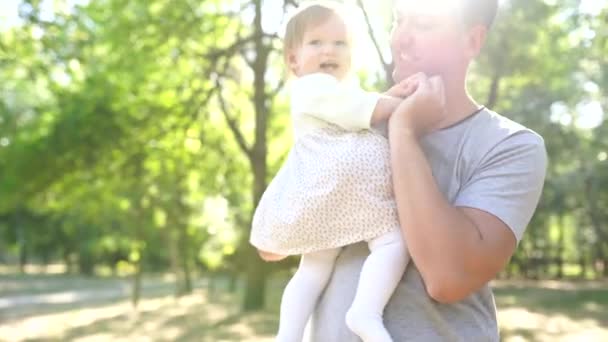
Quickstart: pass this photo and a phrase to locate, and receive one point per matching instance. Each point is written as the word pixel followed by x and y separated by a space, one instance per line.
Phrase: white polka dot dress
pixel 334 189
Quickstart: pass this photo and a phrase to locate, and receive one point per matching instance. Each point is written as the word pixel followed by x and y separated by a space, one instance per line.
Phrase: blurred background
pixel 137 135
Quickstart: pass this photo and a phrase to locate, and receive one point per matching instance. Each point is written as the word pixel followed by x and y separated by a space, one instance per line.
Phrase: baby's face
pixel 325 48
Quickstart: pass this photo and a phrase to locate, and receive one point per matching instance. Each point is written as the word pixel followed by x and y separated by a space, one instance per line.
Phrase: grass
pixel 202 316
pixel 553 311
pixel 528 311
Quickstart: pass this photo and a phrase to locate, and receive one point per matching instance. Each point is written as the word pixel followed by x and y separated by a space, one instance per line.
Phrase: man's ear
pixel 476 38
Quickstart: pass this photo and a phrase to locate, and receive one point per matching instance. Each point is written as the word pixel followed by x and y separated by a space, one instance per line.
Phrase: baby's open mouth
pixel 329 67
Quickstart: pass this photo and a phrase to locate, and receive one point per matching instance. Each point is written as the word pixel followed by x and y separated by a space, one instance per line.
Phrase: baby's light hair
pixel 307 15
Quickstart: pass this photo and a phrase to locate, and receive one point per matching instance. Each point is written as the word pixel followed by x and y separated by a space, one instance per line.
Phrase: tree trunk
pixel 596 216
pixel 494 88
pixel 233 281
pixel 525 268
pixel 174 259
pixel 256 287
pixel 139 237
pixel 21 241
pixel 560 248
pixel 605 265
pixel 136 294
pixel 256 269
pixel 170 235
pixel 184 243
pixel 22 258
pixel 583 265
pixel 185 262
pixel 601 263
pixel 68 263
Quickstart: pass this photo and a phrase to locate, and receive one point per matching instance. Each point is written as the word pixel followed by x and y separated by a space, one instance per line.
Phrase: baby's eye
pixel 340 43
pixel 315 42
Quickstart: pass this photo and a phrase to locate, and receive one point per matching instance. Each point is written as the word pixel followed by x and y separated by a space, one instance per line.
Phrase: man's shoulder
pixel 489 129
pixel 482 133
pixel 485 137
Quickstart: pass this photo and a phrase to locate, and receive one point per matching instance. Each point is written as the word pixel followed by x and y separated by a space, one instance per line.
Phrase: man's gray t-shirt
pixel 485 161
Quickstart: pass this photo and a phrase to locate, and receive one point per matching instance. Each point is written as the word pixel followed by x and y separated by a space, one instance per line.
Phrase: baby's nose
pixel 328 48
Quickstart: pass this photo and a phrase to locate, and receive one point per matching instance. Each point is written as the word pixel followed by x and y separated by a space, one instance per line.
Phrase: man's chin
pixel 400 75
pixel 403 74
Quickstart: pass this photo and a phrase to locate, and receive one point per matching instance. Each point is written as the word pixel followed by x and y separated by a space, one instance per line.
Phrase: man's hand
pixel 424 110
pixel 392 98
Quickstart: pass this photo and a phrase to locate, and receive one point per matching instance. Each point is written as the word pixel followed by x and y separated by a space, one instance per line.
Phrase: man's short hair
pixel 477 12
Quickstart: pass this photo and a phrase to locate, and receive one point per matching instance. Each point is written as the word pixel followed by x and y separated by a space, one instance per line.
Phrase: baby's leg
pixel 379 277
pixel 301 294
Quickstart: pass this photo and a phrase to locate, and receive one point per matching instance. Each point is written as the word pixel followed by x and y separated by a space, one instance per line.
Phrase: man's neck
pixel 458 103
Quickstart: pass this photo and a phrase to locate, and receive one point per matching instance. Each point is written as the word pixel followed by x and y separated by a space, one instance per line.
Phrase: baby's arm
pixel 324 97
pixel 391 99
pixel 384 108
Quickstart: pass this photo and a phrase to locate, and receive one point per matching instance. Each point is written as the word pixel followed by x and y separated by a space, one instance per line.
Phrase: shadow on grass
pixel 574 303
pixel 103 298
pixel 213 315
pixel 190 318
pixel 553 311
pixel 237 327
pixel 525 334
pixel 97 327
pixel 32 284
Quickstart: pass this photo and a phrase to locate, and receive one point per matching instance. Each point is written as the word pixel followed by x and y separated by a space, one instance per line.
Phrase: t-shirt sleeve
pixel 509 181
pixel 322 96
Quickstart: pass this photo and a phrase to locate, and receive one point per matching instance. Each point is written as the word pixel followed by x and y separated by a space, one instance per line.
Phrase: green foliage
pixel 144 131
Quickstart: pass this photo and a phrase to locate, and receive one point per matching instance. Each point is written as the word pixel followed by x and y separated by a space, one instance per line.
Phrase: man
pixel 466 182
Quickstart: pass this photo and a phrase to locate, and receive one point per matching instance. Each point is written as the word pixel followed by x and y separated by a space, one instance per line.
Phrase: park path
pixel 114 291
pixel 17 305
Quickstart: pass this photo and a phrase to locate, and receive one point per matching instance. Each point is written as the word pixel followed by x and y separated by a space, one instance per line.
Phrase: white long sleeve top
pixel 318 99
pixel 334 188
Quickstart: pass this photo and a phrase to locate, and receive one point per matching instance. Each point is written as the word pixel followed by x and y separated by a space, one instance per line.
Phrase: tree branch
pixel 388 67
pixel 279 86
pixel 232 124
pixel 289 2
pixel 248 61
pixel 493 93
pixel 230 50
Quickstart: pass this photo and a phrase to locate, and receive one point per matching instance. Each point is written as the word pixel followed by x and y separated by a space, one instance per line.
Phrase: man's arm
pixel 456 250
pixel 459 248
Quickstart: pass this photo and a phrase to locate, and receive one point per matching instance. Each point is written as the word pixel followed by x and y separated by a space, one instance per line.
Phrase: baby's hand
pixel 402 89
pixel 267 256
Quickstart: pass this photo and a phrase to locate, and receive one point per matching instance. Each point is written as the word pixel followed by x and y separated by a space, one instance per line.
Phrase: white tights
pixel 381 272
